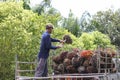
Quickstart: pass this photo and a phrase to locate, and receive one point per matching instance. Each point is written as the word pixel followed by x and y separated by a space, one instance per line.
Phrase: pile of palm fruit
pixel 84 61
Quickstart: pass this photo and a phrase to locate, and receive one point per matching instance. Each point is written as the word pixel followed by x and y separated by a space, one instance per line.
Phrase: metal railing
pixel 96 76
pixel 18 69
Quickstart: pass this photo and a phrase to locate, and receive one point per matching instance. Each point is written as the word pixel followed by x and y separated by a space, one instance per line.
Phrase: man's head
pixel 49 27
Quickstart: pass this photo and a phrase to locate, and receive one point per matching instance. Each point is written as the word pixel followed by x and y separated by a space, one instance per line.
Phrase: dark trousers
pixel 42 70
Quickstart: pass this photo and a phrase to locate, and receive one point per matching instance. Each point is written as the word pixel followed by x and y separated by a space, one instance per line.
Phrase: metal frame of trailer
pixel 94 76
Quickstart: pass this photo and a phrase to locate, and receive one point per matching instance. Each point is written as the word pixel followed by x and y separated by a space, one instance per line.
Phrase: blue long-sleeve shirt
pixel 46 45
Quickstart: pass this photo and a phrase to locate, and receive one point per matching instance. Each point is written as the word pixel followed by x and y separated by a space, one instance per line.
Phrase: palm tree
pixel 42 7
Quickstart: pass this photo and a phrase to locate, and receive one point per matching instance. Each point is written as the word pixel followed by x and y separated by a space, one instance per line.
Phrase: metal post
pixel 16 67
pixel 117 63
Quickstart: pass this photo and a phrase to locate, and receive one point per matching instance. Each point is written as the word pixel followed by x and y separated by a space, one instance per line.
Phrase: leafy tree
pixel 7 0
pixel 26 4
pixel 15 36
pixel 20 32
pixel 94 39
pixel 43 7
pixel 107 22
pixel 85 22
pixel 71 24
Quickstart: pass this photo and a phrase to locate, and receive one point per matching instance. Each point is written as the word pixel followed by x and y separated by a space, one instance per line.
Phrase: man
pixel 45 47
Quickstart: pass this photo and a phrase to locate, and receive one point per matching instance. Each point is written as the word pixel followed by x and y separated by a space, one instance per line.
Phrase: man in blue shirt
pixel 45 47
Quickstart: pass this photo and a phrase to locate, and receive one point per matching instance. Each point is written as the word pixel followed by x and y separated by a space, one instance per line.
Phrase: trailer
pixel 107 75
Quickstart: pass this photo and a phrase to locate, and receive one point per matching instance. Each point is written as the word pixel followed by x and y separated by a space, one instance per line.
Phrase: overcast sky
pixel 80 6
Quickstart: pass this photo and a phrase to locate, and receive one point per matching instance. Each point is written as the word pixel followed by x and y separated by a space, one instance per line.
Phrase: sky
pixel 78 7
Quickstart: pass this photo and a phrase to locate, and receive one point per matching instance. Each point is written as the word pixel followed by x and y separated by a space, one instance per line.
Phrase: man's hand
pixel 59 46
pixel 62 41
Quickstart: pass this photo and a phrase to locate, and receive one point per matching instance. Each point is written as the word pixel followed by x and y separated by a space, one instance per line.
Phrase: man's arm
pixel 54 40
pixel 48 43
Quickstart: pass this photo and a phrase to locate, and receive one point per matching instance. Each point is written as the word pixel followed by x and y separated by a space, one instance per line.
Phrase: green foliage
pixel 20 32
pixel 85 22
pixel 87 40
pixel 107 22
pixel 42 7
pixel 101 39
pixel 10 9
pixel 94 39
pixel 71 24
pixel 26 4
pixel 14 37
